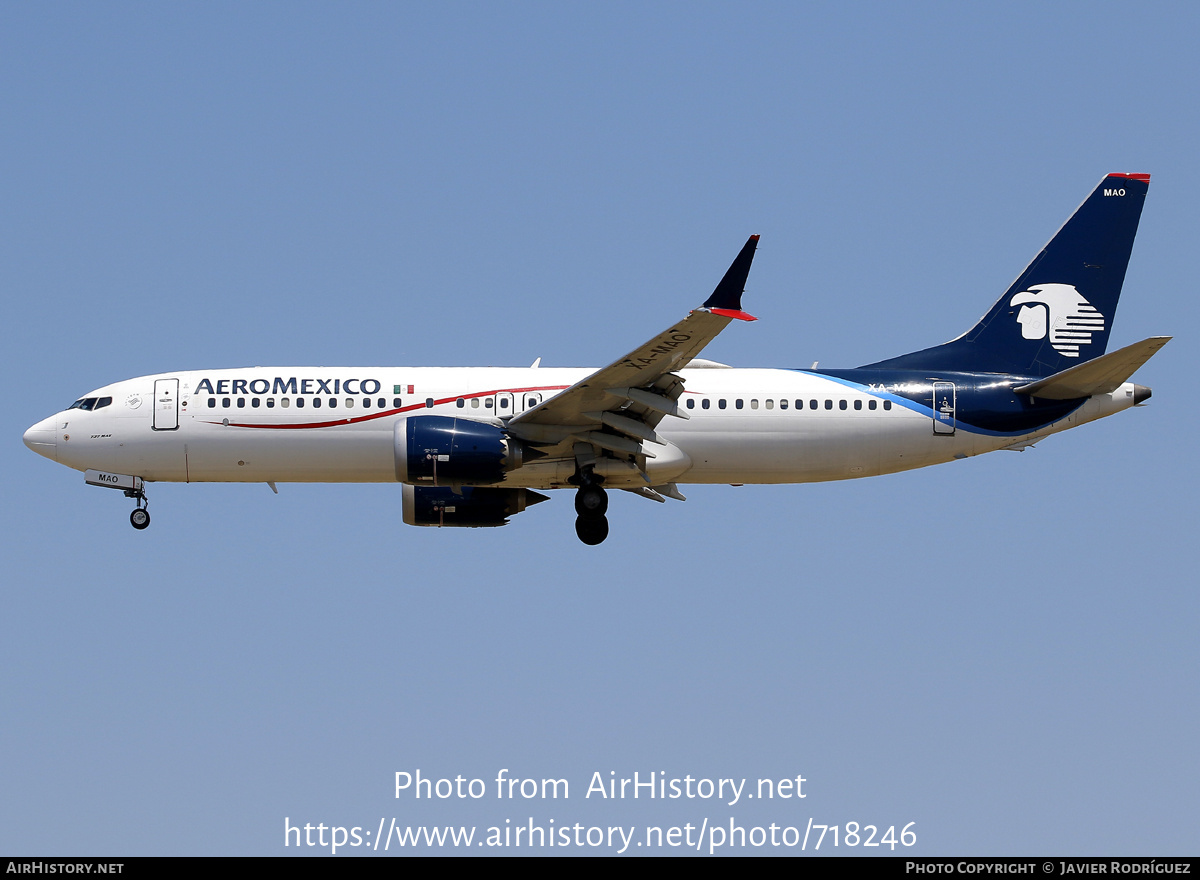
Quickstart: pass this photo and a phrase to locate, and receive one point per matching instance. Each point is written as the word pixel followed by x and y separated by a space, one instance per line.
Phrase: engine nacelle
pixel 467 508
pixel 444 451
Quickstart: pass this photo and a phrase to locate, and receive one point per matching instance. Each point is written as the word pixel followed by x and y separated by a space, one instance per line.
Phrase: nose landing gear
pixel 133 487
pixel 591 503
pixel 140 518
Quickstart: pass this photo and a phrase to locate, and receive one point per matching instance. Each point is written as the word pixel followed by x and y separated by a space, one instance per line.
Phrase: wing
pixel 618 406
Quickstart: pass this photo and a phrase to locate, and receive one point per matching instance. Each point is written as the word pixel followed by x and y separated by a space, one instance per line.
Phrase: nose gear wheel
pixel 140 517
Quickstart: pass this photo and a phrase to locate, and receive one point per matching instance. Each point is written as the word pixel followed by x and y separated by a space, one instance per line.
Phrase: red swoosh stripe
pixel 389 412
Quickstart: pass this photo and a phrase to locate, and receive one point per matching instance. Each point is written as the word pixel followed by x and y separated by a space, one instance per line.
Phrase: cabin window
pixel 871 404
pixel 503 402
pixel 770 403
pixel 300 402
pixel 316 403
pixel 738 403
pixel 474 403
pixel 858 404
pixel 489 403
pixel 366 403
pixel 828 403
pixel 241 403
pixel 382 403
pixel 333 403
pixel 782 404
pixel 349 403
pixel 460 403
pixel 225 402
pixel 704 404
pixel 212 402
pixel 753 403
pixel 841 404
pixel 255 402
pixel 531 403
pixel 887 404
pixel 270 403
pixel 721 403
pixel 396 402
pixel 691 403
pixel 812 404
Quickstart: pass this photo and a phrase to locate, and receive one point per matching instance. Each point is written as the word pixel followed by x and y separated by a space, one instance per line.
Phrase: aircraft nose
pixel 42 438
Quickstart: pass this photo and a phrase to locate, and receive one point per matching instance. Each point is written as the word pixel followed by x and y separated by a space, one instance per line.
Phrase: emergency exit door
pixel 166 404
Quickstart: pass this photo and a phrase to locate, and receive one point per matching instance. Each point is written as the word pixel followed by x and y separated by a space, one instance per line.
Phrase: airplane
pixel 471 446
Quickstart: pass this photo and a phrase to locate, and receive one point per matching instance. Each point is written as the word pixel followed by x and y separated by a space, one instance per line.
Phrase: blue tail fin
pixel 1060 310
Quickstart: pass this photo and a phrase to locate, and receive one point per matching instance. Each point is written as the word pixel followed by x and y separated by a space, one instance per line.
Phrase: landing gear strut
pixel 140 518
pixel 591 503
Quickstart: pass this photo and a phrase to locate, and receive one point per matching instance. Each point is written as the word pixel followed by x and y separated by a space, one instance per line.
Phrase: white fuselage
pixel 317 425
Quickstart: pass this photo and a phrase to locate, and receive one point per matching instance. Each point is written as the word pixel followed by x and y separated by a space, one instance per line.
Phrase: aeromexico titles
pixel 472 446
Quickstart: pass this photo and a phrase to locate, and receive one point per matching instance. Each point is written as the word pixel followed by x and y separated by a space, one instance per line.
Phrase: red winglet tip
pixel 1145 178
pixel 754 238
pixel 734 313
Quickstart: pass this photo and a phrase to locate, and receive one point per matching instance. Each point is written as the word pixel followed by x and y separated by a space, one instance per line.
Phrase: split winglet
pixel 726 300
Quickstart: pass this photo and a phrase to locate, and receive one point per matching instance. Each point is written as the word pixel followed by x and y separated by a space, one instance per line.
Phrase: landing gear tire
pixel 592 530
pixel 591 501
pixel 140 518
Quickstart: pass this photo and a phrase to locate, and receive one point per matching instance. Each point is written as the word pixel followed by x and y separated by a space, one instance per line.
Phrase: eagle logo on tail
pixel 1060 311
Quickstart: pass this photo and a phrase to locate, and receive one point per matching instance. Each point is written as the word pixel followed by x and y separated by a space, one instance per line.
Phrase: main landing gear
pixel 591 503
pixel 140 518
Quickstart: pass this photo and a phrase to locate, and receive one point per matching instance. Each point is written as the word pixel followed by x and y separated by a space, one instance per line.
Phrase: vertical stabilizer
pixel 1060 311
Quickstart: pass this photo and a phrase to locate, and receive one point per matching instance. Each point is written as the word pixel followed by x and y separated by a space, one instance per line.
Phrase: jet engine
pixel 449 451
pixel 467 508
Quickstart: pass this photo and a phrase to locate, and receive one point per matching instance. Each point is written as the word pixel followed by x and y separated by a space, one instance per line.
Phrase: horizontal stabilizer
pixel 1098 376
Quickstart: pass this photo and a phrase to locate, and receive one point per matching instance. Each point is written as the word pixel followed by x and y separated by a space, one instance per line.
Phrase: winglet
pixel 727 298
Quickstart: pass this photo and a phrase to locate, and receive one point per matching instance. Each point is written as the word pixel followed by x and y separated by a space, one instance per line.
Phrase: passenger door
pixel 166 405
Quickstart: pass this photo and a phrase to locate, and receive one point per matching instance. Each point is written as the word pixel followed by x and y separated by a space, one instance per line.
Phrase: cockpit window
pixel 90 403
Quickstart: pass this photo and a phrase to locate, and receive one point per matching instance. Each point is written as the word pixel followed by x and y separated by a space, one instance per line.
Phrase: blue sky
pixel 1000 650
